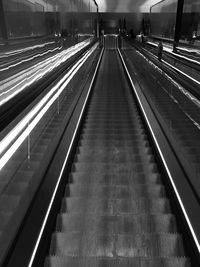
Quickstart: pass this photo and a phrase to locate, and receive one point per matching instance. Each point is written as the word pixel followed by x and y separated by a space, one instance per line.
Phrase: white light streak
pixel 11 87
pixel 10 66
pixel 18 51
pixel 34 116
pixel 169 50
pixel 176 69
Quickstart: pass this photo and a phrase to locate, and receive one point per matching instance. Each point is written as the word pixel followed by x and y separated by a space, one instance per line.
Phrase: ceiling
pixel 125 5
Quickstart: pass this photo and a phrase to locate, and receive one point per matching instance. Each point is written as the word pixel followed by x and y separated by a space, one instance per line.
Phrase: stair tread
pixel 113 158
pixel 56 261
pixel 129 178
pixel 4 219
pixel 115 206
pixel 8 203
pixel 112 168
pixel 114 141
pixel 133 224
pixel 115 192
pixel 122 245
pixel 87 148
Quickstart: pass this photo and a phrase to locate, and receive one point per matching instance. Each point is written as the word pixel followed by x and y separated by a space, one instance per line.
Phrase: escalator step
pixel 2 186
pixel 24 176
pixel 120 142
pixel 133 224
pixel 121 245
pixel 113 156
pixel 121 149
pixel 115 192
pixel 110 128
pixel 30 165
pixel 8 203
pixel 41 147
pixel 116 179
pixel 118 116
pixel 114 207
pixel 55 261
pixel 111 123
pixel 143 205
pixel 102 130
pixel 150 245
pixel 113 136
pixel 17 188
pixel 5 175
pixel 122 168
pixel 4 219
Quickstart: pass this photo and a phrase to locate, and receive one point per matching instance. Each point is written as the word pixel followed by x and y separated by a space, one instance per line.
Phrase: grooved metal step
pixel 120 245
pixel 114 167
pixel 133 224
pixel 115 179
pixel 115 192
pixel 108 206
pixel 55 261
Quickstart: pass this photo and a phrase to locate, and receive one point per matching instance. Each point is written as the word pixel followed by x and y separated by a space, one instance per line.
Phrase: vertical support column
pixel 3 28
pixel 97 22
pixel 97 17
pixel 179 15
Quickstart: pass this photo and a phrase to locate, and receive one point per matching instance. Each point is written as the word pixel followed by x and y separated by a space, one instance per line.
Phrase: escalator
pixel 115 210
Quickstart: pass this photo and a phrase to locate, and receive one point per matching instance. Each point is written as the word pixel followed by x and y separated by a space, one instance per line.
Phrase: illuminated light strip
pixel 63 167
pixel 26 121
pixel 61 58
pixel 175 68
pixel 152 44
pixel 177 85
pixel 50 67
pixel 79 45
pixel 182 72
pixel 188 50
pixel 111 35
pixel 28 59
pixel 41 63
pixel 184 57
pixel 7 54
pixel 163 159
pixel 8 154
pixel 23 123
pixel 38 55
pixel 30 48
pixel 177 55
pixel 59 55
pixel 10 79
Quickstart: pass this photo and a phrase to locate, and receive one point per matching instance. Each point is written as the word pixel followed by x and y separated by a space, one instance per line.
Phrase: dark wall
pixel 162 24
pixel 112 22
pixel 163 19
pixel 43 18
